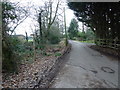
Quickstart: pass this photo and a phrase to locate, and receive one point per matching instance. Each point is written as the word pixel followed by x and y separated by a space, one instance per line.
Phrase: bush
pixel 54 35
pixel 57 54
pixel 82 36
pixel 15 43
pixel 54 39
pixel 10 57
pixel 42 46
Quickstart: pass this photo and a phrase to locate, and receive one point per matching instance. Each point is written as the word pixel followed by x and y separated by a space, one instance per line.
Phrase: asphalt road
pixel 87 68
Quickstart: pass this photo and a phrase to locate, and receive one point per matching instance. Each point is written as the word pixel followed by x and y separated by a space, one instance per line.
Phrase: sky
pixel 28 24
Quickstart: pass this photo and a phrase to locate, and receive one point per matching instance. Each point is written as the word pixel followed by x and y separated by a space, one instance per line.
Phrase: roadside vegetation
pixel 19 49
pixel 75 33
pixel 23 53
pixel 102 18
pixel 49 38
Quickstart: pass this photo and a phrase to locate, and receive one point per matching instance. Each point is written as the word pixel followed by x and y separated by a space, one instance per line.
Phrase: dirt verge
pixel 50 73
pixel 40 73
pixel 107 51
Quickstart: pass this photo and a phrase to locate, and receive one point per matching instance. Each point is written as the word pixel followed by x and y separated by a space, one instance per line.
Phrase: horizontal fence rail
pixel 111 43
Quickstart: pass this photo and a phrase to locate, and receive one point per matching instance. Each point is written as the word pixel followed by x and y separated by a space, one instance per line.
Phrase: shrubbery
pixel 10 58
pixel 54 35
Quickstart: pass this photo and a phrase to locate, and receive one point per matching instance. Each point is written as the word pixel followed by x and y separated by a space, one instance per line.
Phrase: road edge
pixel 49 75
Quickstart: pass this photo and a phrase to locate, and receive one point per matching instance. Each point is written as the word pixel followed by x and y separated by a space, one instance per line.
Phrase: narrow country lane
pixel 87 68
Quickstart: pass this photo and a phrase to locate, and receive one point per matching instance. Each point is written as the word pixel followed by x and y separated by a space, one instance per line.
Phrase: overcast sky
pixel 28 23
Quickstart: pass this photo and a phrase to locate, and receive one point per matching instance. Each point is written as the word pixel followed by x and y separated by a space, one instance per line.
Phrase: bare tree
pixel 13 17
pixel 50 14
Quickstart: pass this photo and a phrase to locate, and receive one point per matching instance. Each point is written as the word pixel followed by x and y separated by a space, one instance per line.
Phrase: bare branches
pixel 49 17
pixel 55 13
pixel 13 15
pixel 18 24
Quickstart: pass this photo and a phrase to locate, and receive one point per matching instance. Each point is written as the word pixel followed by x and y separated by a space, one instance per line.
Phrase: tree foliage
pixel 10 20
pixel 73 29
pixel 84 36
pixel 102 17
pixel 46 18
pixel 47 31
pixel 54 35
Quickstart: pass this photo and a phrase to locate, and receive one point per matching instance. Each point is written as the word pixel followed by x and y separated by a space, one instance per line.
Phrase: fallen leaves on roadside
pixel 30 73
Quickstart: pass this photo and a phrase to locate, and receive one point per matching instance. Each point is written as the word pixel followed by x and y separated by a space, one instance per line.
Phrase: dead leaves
pixel 30 74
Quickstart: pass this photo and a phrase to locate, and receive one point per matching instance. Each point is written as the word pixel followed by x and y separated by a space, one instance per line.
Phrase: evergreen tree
pixel 101 17
pixel 73 28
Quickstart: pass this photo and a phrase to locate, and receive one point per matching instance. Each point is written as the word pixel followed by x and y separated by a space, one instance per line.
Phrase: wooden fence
pixel 111 43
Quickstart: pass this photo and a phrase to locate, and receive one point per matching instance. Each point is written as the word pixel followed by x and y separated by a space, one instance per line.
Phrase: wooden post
pixel 40 25
pixel 1 57
pixel 83 27
pixel 34 46
pixel 26 37
pixel 66 40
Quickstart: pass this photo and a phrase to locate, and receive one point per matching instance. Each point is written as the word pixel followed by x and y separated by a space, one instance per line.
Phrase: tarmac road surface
pixel 87 68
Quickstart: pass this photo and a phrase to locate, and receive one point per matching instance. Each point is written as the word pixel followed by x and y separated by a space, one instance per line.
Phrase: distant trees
pixel 102 17
pixel 73 29
pixel 87 35
pixel 90 34
pixel 75 33
pixel 47 20
pixel 54 35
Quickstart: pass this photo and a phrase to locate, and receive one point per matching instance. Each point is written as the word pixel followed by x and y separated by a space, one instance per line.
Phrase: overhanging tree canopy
pixel 102 17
